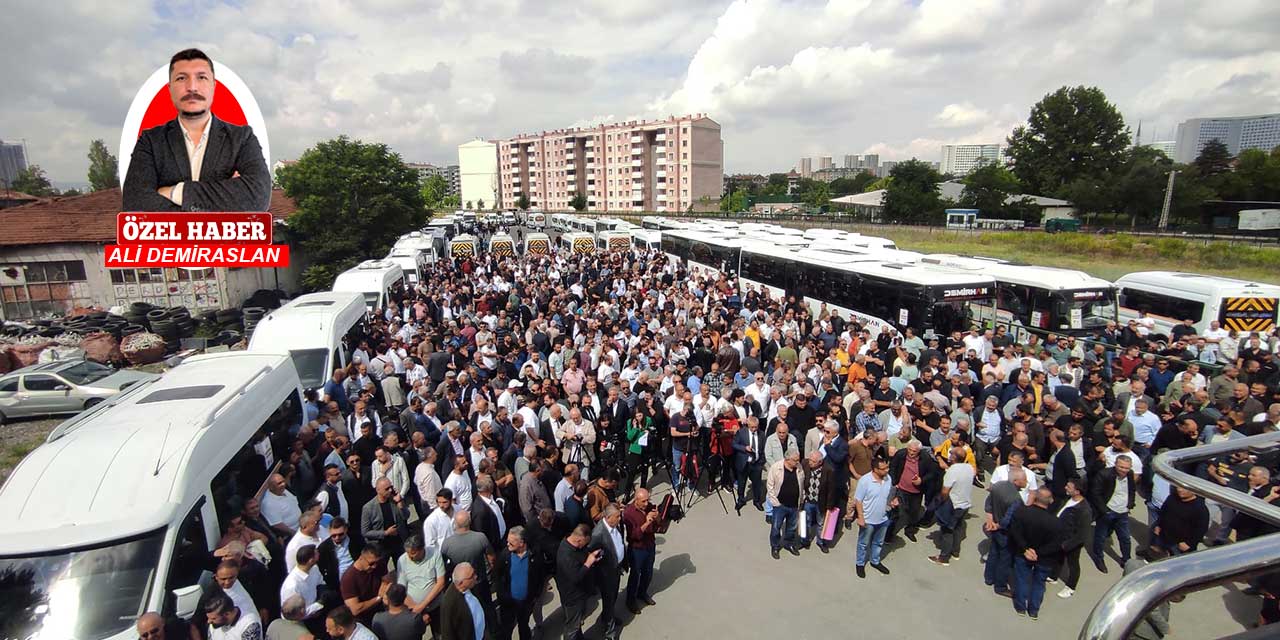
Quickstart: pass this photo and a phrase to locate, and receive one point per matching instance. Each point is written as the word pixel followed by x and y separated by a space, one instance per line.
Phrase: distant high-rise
pixel 960 159
pixel 656 165
pixel 1169 147
pixel 478 173
pixel 806 167
pixel 450 174
pixel 848 161
pixel 13 160
pixel 1238 133
pixel 824 162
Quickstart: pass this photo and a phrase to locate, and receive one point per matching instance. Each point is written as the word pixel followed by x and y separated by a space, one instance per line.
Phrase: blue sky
pixel 784 78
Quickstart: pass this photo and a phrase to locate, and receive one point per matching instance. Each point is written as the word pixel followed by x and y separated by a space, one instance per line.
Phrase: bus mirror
pixel 186 600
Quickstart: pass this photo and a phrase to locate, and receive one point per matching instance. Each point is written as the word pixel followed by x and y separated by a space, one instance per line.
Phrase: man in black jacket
pixel 196 162
pixel 518 576
pixel 1062 465
pixel 337 552
pixel 914 474
pixel 1112 496
pixel 1035 537
pixel 460 608
pixel 1183 522
pixel 574 578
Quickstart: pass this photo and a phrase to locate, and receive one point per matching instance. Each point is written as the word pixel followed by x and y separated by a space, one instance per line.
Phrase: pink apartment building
pixel 656 165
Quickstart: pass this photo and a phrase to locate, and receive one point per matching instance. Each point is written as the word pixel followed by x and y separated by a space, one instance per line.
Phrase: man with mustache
pixel 196 162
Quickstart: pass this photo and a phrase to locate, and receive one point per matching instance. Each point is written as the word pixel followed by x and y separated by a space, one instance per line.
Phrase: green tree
pixel 736 201
pixel 578 202
pixel 1213 159
pixel 776 186
pixel 1141 185
pixel 71 192
pixel 33 181
pixel 434 190
pixel 523 202
pixel 104 172
pixel 881 183
pixel 468 204
pixel 856 184
pixel 987 188
pixel 454 201
pixel 912 197
pixel 354 199
pixel 1259 172
pixel 816 194
pixel 479 203
pixel 1073 132
pixel 1090 195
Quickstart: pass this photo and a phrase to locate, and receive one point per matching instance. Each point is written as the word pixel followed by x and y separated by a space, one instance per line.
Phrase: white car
pixel 68 386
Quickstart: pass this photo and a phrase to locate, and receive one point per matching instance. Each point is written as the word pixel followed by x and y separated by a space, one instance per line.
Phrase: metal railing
pixel 1124 606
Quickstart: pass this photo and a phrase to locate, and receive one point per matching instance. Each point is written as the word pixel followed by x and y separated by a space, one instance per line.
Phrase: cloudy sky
pixel 785 78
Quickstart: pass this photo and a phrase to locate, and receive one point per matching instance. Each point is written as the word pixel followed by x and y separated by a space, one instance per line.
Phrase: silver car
pixel 69 386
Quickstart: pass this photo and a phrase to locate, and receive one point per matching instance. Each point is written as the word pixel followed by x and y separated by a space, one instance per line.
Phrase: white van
pixel 536 220
pixel 375 279
pixel 119 511
pixel 412 262
pixel 502 245
pixel 311 329
pixel 537 244
pixel 1169 297
pixel 576 242
pixel 464 246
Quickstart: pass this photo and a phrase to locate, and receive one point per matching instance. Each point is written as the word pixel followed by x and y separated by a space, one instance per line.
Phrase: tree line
pixel 104 173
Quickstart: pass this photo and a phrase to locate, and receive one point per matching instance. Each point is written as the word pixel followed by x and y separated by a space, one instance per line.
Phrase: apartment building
pixel 655 165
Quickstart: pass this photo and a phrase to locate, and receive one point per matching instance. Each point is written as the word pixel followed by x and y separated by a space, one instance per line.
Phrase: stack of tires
pixel 230 323
pixel 252 315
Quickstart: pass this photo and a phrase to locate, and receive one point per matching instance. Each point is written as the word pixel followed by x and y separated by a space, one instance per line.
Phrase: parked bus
pixel 536 220
pixel 537 244
pixel 1169 297
pixel 576 242
pixel 644 239
pixel 374 279
pixel 1059 300
pixel 464 246
pixel 702 250
pixel 926 297
pixel 318 330
pixel 502 245
pixel 560 222
pixel 613 240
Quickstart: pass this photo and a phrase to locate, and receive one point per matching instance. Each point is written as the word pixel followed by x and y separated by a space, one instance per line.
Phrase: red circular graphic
pixel 161 109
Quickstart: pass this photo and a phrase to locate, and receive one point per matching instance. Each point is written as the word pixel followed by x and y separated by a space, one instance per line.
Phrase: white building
pixel 478 172
pixel 1238 133
pixel 1169 147
pixel 960 159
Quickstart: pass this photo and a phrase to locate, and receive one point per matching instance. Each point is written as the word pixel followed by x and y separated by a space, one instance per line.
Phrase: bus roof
pixel 1198 283
pixel 884 266
pixel 1052 278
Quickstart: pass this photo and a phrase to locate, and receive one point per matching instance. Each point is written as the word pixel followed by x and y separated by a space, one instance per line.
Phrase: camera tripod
pixel 692 468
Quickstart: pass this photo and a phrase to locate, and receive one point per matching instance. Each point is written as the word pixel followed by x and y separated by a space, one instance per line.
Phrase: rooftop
pixel 613 125
pixel 87 218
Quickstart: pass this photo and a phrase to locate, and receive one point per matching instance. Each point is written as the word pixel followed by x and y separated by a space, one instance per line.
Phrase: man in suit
pixel 451 446
pixel 337 553
pixel 461 615
pixel 518 577
pixel 574 564
pixel 196 162
pixel 608 537
pixel 385 519
pixel 486 514
pixel 748 462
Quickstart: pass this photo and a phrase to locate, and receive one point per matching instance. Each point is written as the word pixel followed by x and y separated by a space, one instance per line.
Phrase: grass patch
pixel 1104 256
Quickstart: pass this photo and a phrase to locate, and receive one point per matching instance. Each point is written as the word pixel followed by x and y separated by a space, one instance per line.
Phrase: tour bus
pixel 560 222
pixel 537 244
pixel 1059 300
pixel 576 242
pixel 614 240
pixel 877 292
pixel 536 220
pixel 701 250
pixel 317 330
pixel 374 279
pixel 502 245
pixel 659 223
pixel 643 239
pixel 464 246
pixel 1169 297
pixel 120 510
pixel 593 225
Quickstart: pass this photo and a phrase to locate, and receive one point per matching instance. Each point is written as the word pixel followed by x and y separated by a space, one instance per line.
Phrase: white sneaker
pixel 1066 592
pixel 1051 581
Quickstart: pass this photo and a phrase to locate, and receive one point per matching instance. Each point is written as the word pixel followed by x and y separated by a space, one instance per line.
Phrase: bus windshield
pixel 312 365
pixel 86 594
pixel 1083 310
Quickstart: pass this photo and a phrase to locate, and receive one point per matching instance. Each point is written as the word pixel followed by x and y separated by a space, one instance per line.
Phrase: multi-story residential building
pixel 1238 133
pixel 478 172
pixel 657 165
pixel 827 175
pixel 13 160
pixel 960 159
pixel 450 173
pixel 825 163
pixel 806 167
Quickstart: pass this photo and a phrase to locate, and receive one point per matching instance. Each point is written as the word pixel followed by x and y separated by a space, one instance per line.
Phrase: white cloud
pixel 785 77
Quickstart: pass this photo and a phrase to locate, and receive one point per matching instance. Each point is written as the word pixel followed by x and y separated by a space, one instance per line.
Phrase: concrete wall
pixel 706 166
pixel 478 171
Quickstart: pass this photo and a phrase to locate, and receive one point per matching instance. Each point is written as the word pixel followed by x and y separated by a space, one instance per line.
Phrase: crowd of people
pixel 502 422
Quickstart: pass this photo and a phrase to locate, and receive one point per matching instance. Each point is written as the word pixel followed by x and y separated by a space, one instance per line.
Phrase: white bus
pixel 613 240
pixel 1047 298
pixel 502 245
pixel 374 279
pixel 464 246
pixel 119 512
pixel 312 329
pixel 1169 297
pixel 537 244
pixel 703 251
pixel 561 222
pixel 878 292
pixel 645 239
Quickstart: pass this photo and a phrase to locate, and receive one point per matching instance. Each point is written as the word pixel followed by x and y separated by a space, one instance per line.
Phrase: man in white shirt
pixel 1145 423
pixel 1001 473
pixel 308 527
pixel 331 492
pixel 229 622
pixel 459 483
pixel 340 624
pixel 304 580
pixel 439 524
pixel 978 343
pixel 280 507
pixel 228 578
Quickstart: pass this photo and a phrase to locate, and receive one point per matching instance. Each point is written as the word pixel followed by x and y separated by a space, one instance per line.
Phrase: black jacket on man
pixel 1064 469
pixel 1038 529
pixel 160 159
pixel 328 563
pixel 502 577
pixel 930 473
pixel 1103 485
pixel 455 616
pixel 574 580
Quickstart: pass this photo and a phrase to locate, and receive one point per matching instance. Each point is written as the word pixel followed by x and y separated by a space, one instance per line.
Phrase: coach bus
pixel 1035 297
pixel 659 223
pixel 877 292
pixel 702 250
pixel 1169 297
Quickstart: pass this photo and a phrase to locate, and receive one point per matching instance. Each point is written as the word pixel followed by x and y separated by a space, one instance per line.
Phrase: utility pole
pixel 1168 200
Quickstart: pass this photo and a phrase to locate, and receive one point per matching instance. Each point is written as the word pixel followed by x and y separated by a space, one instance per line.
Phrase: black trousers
pixel 907 515
pixel 1069 570
pixel 751 473
pixel 637 465
pixel 515 617
pixel 609 585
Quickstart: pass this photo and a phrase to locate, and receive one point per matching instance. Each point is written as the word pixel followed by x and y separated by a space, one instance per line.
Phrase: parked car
pixel 68 386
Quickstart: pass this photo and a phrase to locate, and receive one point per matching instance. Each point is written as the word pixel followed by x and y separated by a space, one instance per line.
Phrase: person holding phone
pixel 575 579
